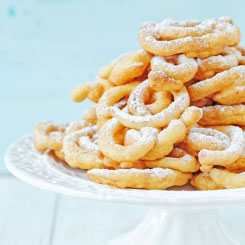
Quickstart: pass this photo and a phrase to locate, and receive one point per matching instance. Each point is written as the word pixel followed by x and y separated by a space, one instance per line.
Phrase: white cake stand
pixel 177 217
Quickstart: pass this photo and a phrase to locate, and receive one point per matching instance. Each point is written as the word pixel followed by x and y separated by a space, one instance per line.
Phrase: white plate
pixel 195 207
pixel 45 172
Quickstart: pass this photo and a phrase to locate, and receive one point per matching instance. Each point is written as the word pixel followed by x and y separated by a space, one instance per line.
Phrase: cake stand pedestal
pixel 176 216
pixel 159 227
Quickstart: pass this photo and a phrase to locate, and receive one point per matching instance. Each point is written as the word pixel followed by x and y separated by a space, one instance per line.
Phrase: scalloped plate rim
pixel 207 199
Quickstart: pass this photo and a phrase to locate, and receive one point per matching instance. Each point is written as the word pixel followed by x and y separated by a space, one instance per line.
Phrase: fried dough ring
pixel 223 115
pixel 150 41
pixel 60 154
pixel 208 158
pixel 210 66
pixel 90 116
pixel 85 90
pixel 159 101
pixel 222 33
pixel 91 90
pixel 122 153
pixel 81 150
pixel 178 160
pixel 202 102
pixel 229 180
pixel 184 69
pixel 125 165
pixel 203 181
pixel 131 136
pixel 239 164
pixel 105 83
pixel 136 101
pixel 160 81
pixel 169 29
pixel 110 98
pixel 161 119
pixel 215 84
pixel 241 55
pixel 234 94
pixel 205 138
pixel 80 92
pixel 174 133
pixel 126 67
pixel 191 116
pixel 76 125
pixel 156 178
pixel 49 135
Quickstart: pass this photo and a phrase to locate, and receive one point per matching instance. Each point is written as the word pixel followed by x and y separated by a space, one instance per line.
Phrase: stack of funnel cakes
pixel 164 115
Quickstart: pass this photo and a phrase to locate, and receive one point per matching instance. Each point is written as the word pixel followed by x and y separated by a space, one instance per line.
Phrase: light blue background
pixel 49 46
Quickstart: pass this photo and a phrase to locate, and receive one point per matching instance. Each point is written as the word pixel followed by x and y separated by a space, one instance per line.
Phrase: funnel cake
pixel 168 113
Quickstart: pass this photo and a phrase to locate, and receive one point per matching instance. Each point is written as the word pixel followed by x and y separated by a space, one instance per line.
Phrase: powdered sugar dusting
pixel 76 125
pixel 145 136
pixel 138 64
pixel 185 23
pixel 228 155
pixel 182 65
pixel 87 143
pixel 209 137
pixel 136 99
pixel 121 104
pixel 207 141
pixel 85 138
pixel 220 61
pixel 154 172
pixel 168 39
pixel 186 28
pixel 57 135
pixel 158 120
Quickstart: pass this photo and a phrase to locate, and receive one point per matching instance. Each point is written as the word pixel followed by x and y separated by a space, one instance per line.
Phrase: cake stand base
pixel 176 228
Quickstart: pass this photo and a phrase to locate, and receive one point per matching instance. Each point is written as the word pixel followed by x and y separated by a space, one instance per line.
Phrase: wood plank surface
pixel 26 213
pixel 85 222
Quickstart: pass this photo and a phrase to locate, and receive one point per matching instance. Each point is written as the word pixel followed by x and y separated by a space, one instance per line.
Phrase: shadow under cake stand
pixel 176 216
